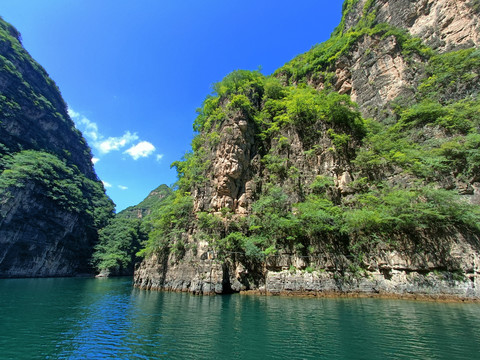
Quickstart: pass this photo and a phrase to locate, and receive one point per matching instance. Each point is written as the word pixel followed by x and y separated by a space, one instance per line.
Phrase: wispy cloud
pixel 95 160
pixel 88 128
pixel 115 143
pixel 142 149
pixel 159 157
pixel 121 187
pixel 106 184
pixel 72 113
pixel 101 143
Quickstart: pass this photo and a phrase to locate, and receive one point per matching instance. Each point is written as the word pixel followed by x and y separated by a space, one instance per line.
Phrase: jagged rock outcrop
pixel 377 74
pixel 51 201
pixel 388 273
pixel 285 174
pixel 443 24
pixel 233 163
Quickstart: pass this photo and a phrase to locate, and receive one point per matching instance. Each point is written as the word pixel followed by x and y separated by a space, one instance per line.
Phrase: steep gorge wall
pixel 378 70
pixel 51 201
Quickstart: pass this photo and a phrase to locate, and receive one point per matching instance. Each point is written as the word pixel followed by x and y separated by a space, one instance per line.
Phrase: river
pixel 108 319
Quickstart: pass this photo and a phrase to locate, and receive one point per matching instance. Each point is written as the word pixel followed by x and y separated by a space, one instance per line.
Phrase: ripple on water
pixel 105 319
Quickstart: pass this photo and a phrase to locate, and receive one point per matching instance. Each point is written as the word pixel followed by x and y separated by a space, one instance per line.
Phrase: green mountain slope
pixel 121 239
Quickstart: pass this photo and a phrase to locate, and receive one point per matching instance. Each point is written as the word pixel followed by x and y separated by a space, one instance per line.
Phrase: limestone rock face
pixel 47 226
pixel 203 278
pixel 405 273
pixel 442 24
pixel 232 166
pixel 375 72
pixel 237 172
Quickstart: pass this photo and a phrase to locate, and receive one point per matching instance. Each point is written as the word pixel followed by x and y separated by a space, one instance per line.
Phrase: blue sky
pixel 133 72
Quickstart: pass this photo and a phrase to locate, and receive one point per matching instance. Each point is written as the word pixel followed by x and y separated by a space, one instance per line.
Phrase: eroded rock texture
pixel 375 72
pixel 442 24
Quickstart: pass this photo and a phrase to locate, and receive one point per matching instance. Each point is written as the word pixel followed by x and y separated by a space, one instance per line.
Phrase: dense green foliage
pixel 128 232
pixel 437 136
pixel 64 185
pixel 452 76
pixel 317 224
pixel 168 225
pixel 145 207
pixel 117 246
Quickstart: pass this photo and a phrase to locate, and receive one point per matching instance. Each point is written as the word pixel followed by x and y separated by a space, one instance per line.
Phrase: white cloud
pixel 105 145
pixel 115 143
pixel 90 129
pixel 106 184
pixel 72 113
pixel 121 187
pixel 87 127
pixel 142 149
pixel 95 160
pixel 159 157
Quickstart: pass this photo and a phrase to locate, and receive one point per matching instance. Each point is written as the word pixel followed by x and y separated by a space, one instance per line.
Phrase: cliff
pixel 443 25
pixel 353 168
pixel 51 201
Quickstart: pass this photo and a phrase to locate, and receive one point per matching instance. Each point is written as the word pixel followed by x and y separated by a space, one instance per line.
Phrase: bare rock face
pixel 232 167
pixel 203 277
pixel 442 24
pixel 376 72
pixel 393 273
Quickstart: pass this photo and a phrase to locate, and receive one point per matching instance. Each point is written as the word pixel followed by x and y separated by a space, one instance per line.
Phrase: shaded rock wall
pixel 38 239
pixel 40 235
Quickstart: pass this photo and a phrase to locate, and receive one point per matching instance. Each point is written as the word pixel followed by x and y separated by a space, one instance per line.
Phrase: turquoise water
pixel 108 319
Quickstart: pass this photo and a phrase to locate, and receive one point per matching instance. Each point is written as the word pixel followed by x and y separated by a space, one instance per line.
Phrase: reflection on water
pixel 107 318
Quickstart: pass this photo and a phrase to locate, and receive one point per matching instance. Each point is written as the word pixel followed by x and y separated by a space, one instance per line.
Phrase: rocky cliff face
pixel 39 240
pixel 51 201
pixel 443 24
pixel 293 191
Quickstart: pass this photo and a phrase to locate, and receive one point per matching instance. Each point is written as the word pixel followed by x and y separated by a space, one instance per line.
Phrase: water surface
pixel 108 319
